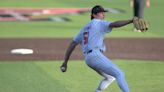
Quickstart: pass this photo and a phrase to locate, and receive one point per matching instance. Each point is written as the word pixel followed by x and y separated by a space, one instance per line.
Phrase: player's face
pixel 100 15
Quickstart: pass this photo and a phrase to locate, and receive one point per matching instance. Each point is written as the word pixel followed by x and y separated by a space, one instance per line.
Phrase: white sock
pixel 105 82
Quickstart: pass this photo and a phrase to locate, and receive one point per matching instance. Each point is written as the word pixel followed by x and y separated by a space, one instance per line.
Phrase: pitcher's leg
pixel 102 63
pixel 110 68
pixel 113 70
pixel 122 82
pixel 105 82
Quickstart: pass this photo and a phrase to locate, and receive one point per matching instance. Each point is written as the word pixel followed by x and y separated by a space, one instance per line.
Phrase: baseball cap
pixel 96 9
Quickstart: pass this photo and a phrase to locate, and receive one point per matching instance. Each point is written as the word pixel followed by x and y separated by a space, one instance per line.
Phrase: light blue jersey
pixel 92 35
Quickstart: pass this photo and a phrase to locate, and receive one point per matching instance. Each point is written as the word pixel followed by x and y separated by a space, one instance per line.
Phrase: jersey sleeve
pixel 105 25
pixel 78 38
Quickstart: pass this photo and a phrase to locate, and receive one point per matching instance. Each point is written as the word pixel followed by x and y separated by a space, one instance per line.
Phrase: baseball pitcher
pixel 91 38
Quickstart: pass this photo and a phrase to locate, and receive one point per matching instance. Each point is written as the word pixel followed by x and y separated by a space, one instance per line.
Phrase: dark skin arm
pixel 67 55
pixel 121 23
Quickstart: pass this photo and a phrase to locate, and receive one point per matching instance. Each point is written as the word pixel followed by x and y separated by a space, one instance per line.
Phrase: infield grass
pixel 41 76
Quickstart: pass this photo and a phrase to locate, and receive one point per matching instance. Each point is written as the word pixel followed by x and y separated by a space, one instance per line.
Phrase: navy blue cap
pixel 96 9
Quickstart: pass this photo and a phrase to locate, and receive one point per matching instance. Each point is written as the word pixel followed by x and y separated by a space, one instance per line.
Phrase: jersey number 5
pixel 85 35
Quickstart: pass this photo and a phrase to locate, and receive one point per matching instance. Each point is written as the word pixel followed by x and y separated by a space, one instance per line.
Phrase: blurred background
pixel 34 35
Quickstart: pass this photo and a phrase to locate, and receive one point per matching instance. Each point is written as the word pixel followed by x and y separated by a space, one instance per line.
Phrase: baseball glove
pixel 140 24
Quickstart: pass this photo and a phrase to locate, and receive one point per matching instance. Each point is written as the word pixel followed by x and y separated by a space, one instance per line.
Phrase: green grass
pixel 69 29
pixel 41 76
pixel 59 3
pixel 26 77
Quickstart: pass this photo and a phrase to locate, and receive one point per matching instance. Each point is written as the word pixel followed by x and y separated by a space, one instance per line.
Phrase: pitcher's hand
pixel 63 67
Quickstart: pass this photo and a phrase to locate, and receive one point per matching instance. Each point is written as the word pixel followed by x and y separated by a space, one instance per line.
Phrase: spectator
pixel 138 8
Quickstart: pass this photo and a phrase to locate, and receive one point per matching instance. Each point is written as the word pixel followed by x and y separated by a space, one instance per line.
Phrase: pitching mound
pixel 54 49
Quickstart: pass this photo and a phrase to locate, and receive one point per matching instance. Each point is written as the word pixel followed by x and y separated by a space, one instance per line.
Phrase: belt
pixel 88 52
pixel 91 51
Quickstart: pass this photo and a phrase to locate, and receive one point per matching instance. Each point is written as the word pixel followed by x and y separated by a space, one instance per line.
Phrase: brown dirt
pixel 54 49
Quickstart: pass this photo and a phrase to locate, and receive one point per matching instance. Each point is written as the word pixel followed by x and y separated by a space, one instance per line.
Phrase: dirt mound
pixel 54 49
